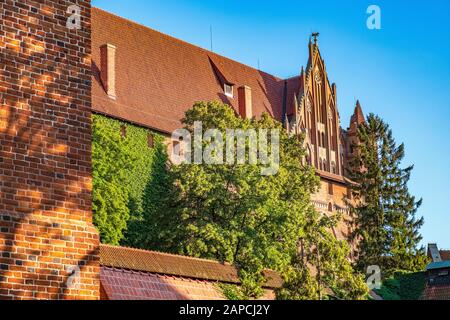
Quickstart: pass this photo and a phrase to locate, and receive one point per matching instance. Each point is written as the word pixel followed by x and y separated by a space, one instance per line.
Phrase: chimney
pixel 245 102
pixel 108 69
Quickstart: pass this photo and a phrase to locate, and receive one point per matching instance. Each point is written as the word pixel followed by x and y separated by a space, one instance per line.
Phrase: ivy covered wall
pixel 129 176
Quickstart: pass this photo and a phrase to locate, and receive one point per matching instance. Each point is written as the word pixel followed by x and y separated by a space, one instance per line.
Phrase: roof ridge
pixel 206 51
pixel 166 254
pixel 291 78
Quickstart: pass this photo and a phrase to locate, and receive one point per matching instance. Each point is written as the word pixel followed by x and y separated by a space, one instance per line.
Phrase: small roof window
pixel 228 89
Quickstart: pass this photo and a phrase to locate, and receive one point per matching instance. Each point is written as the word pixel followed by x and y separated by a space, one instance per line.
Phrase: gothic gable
pixel 317 115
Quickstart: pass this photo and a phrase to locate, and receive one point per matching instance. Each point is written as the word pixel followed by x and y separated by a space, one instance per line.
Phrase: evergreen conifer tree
pixel 387 230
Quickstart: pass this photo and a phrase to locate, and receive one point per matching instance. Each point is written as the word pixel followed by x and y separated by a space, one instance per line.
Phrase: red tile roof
pixel 294 85
pixel 441 292
pixel 159 77
pixel 445 255
pixel 358 115
pixel 119 284
pixel 129 285
pixel 174 265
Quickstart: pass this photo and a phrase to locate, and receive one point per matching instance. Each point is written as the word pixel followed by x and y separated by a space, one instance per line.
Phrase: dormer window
pixel 228 89
pixel 333 168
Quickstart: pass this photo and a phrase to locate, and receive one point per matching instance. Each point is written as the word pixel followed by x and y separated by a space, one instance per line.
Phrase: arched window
pixel 177 149
pixel 349 194
pixel 331 128
pixel 308 113
pixel 320 116
pixel 330 207
pixel 324 165
pixel 333 167
pixel 308 155
pixel 331 120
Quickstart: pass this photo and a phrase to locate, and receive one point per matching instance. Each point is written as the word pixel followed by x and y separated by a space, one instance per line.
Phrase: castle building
pixel 151 79
pixel 53 77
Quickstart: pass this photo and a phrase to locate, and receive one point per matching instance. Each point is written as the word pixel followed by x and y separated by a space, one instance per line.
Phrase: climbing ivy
pixel 125 171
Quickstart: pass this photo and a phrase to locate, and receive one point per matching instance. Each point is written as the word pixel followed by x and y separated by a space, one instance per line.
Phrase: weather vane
pixel 315 35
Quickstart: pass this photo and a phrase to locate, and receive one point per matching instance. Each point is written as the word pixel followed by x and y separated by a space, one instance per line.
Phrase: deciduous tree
pixel 232 213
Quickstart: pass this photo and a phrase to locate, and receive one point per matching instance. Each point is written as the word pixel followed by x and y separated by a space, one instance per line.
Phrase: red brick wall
pixel 49 248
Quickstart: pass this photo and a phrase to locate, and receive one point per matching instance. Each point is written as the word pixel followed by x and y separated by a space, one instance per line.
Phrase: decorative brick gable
pixel 48 245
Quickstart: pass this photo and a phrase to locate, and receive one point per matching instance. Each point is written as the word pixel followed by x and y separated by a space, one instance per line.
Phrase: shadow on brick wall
pixel 46 234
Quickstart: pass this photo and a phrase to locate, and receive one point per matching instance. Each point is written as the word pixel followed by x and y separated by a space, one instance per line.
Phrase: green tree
pixel 403 286
pixel 320 251
pixel 233 214
pixel 387 230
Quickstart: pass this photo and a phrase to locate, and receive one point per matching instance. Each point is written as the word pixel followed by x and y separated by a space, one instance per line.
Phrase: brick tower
pixel 48 245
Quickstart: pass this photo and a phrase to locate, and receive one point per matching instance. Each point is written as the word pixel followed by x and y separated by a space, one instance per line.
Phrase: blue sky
pixel 401 72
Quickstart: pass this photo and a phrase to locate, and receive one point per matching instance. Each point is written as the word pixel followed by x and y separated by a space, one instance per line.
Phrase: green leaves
pixel 387 228
pixel 322 254
pixel 233 214
pixel 229 212
pixel 403 286
pixel 126 174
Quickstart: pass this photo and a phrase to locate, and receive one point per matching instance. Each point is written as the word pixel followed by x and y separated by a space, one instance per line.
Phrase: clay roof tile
pixel 158 77
pixel 175 265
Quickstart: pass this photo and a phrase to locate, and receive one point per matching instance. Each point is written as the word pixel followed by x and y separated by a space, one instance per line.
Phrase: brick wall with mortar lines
pixel 337 199
pixel 48 245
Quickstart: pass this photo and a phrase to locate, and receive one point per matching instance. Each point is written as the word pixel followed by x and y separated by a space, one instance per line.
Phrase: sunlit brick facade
pixel 159 78
pixel 47 238
pixel 51 80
